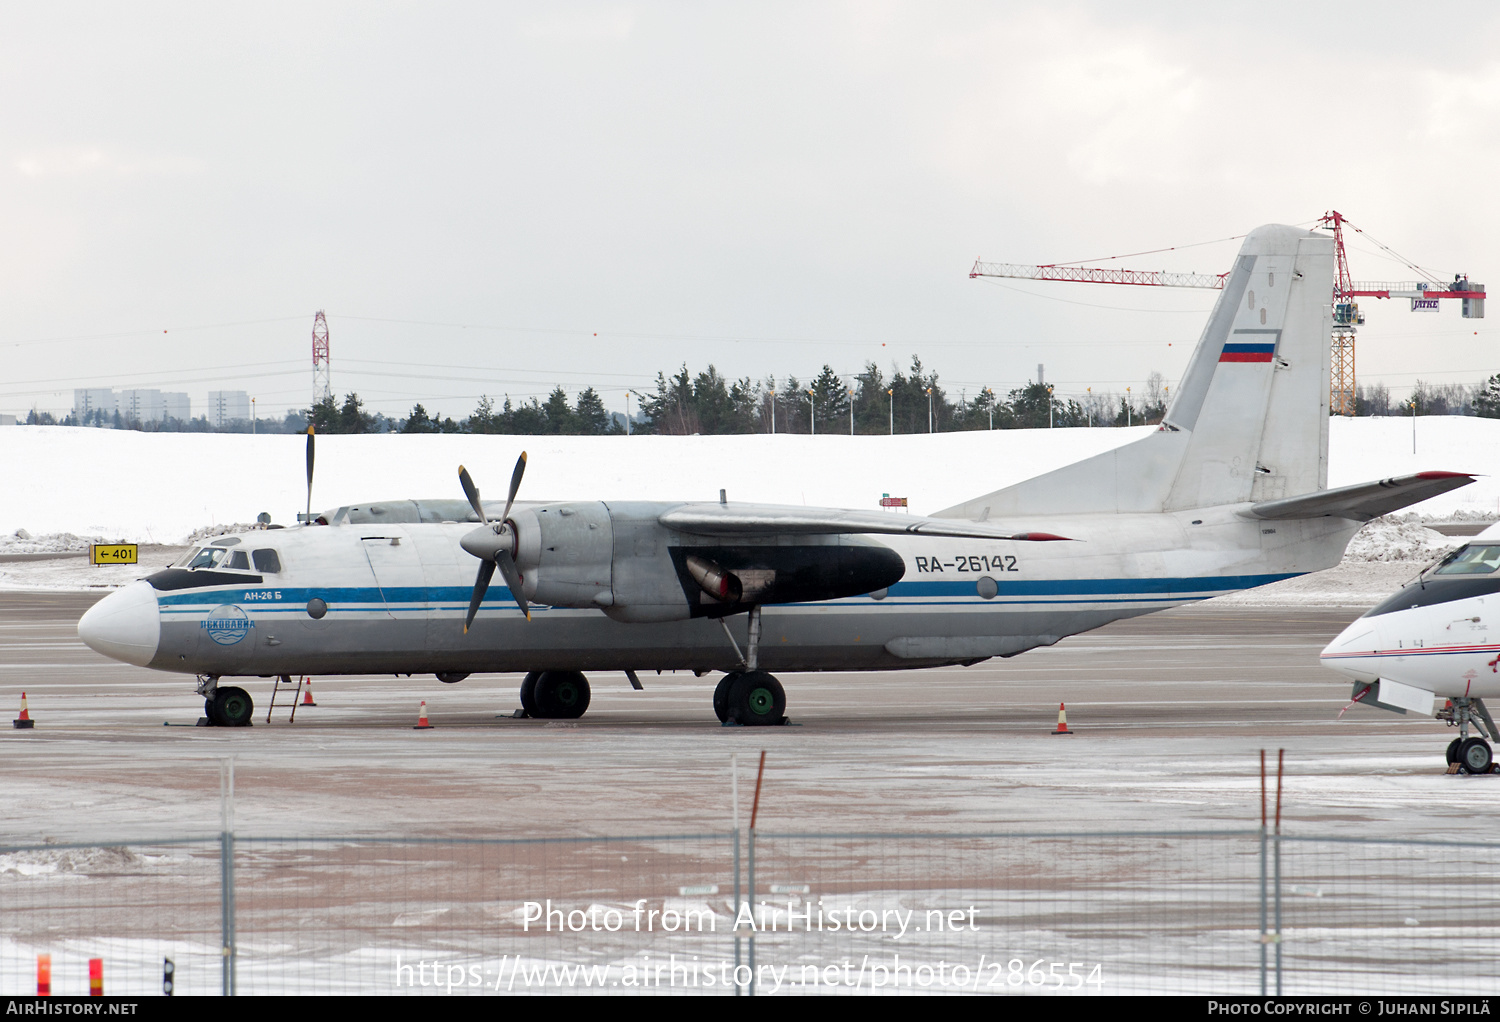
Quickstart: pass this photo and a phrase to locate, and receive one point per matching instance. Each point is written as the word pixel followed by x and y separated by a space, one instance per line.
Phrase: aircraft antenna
pixel 1346 315
pixel 322 390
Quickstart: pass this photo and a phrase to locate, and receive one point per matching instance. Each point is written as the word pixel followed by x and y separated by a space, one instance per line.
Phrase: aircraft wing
pixel 772 519
pixel 1364 501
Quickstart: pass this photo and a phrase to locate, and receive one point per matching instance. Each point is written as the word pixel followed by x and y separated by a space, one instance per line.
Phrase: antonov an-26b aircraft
pixel 1227 494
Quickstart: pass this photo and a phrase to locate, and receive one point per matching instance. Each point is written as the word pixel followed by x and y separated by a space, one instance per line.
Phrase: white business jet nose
pixel 1343 654
pixel 125 625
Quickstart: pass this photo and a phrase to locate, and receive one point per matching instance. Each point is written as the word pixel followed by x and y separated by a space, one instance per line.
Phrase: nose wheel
pixel 1469 754
pixel 1474 756
pixel 229 707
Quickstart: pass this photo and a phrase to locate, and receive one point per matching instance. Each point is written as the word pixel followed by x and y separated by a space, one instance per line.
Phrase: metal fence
pixel 1221 912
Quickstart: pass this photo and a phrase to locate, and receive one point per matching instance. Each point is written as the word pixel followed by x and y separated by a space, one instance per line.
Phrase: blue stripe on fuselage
pixel 407 598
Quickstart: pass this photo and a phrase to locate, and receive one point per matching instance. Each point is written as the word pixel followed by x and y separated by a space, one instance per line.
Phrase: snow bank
pixel 1400 538
pixel 162 487
pixel 23 542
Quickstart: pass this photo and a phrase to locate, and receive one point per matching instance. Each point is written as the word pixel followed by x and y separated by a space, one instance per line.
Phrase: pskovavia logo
pixel 227 625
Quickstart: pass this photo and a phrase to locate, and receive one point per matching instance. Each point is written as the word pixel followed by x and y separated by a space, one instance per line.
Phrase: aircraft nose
pixel 1342 654
pixel 125 625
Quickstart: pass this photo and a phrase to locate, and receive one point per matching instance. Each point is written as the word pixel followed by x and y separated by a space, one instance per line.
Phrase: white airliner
pixel 1227 494
pixel 1436 637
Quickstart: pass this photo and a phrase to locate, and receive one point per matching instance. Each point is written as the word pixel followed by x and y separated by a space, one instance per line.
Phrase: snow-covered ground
pixel 160 487
pixel 66 488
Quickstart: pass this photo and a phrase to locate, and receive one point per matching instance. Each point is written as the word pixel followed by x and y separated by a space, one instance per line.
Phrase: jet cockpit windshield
pixel 1473 559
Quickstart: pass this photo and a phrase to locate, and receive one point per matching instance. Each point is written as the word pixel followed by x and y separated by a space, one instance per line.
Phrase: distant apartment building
pixel 225 406
pixel 133 405
pixel 176 406
pixel 153 406
pixel 88 400
pixel 140 405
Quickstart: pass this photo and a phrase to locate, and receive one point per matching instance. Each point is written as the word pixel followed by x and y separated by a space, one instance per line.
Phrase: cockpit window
pixel 238 560
pixel 208 557
pixel 267 561
pixel 1471 560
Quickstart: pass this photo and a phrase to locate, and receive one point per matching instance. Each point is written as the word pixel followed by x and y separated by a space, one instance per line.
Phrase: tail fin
pixel 1248 421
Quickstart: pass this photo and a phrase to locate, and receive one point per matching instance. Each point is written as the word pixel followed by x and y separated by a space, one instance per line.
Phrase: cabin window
pixel 208 557
pixel 267 561
pixel 1471 560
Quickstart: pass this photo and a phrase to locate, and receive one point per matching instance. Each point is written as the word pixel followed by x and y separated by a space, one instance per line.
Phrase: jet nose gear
pixel 1469 755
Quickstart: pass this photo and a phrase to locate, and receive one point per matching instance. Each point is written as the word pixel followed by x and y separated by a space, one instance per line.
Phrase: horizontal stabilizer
pixel 1363 501
pixel 773 520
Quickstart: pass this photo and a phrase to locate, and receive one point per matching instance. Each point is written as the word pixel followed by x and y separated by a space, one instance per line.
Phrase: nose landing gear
pixel 1469 755
pixel 227 706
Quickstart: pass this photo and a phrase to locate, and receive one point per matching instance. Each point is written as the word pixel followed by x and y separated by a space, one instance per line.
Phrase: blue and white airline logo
pixel 227 625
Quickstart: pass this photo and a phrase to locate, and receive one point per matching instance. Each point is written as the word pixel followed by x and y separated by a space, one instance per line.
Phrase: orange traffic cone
pixel 44 975
pixel 307 699
pixel 96 977
pixel 422 724
pixel 24 720
pixel 1062 720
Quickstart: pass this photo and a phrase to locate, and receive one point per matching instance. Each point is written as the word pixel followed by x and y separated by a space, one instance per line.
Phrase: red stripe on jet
pixel 1245 356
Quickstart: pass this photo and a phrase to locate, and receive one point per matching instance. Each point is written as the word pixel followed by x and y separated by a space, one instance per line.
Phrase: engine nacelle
pixel 620 559
pixel 564 552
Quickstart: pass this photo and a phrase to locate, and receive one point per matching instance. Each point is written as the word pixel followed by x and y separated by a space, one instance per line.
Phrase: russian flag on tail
pixel 1248 351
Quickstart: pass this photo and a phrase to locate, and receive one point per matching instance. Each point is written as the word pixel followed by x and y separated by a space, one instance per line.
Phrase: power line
pixel 146 333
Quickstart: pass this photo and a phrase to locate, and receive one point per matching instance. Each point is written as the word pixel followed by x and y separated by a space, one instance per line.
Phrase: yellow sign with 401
pixel 116 553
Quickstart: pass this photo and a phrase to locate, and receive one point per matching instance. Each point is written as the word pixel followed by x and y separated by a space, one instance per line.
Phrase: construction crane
pixel 1424 294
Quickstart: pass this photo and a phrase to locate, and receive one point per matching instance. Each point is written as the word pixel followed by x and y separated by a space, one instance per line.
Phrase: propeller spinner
pixel 493 543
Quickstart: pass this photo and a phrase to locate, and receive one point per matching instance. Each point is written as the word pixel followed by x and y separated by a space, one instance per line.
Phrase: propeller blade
pixel 512 575
pixel 309 470
pixel 515 484
pixel 472 492
pixel 481 584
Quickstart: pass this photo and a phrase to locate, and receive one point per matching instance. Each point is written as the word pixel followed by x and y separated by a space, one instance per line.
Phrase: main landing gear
pixel 555 695
pixel 751 697
pixel 1469 755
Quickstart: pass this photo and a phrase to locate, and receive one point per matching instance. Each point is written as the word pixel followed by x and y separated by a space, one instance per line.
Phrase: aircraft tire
pixel 1475 756
pixel 1453 750
pixel 721 695
pixel 528 693
pixel 756 699
pixel 230 707
pixel 561 695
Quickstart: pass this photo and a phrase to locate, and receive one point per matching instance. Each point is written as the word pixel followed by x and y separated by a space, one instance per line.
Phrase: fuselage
pixel 1439 633
pixel 390 599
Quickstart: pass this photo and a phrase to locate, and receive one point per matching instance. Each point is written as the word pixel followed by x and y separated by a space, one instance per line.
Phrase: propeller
pixel 492 544
pixel 309 471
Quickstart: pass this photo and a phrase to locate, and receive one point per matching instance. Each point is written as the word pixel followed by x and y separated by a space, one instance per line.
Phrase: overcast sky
pixel 492 198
